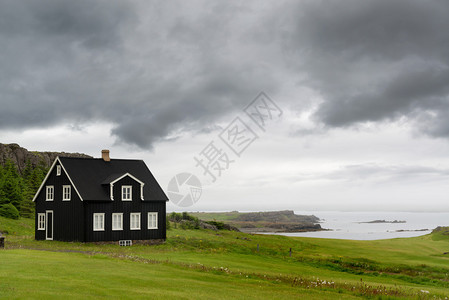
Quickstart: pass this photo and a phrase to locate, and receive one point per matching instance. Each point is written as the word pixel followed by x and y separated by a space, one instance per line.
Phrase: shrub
pixel 185 224
pixel 178 217
pixel 175 217
pixel 9 211
pixel 219 225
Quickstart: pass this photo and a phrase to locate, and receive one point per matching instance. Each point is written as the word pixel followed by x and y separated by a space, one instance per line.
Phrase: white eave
pixel 48 174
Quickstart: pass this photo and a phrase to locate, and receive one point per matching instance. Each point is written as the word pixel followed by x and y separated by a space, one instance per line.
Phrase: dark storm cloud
pixel 49 49
pixel 146 68
pixel 374 60
pixel 155 68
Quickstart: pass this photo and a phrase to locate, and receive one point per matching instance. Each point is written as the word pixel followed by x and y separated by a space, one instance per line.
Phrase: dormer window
pixel 58 170
pixel 127 192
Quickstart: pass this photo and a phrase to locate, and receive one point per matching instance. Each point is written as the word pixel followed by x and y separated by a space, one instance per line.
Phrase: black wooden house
pixel 100 199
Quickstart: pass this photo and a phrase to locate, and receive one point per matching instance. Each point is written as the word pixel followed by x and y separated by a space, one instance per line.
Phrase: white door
pixel 49 225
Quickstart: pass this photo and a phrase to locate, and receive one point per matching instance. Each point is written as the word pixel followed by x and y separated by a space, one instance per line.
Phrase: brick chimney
pixel 105 155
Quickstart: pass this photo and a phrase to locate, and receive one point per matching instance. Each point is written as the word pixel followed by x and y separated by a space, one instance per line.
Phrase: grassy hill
pixel 22 227
pixel 223 265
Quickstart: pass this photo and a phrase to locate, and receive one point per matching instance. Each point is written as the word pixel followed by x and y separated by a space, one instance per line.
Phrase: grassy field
pixel 208 264
pixel 214 216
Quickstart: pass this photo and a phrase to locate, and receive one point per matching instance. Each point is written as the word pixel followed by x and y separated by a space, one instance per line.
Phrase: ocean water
pixel 348 225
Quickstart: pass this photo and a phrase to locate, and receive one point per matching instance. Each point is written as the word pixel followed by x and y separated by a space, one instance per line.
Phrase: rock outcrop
pixel 284 216
pixel 19 156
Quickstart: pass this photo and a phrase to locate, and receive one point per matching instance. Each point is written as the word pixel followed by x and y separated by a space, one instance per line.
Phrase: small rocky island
pixel 382 221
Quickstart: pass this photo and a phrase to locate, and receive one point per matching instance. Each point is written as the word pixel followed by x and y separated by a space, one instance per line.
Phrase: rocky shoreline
pixel 280 230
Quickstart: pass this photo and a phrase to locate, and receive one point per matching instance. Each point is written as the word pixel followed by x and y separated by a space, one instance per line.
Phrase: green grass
pixel 216 216
pixel 74 275
pixel 225 264
pixel 23 226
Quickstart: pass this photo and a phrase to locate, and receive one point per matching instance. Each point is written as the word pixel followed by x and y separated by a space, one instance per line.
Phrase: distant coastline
pixel 261 222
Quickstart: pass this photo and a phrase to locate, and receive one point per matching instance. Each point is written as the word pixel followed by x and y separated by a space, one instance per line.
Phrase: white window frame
pixel 49 193
pixel 117 225
pixel 66 191
pixel 124 193
pixel 100 226
pixel 58 170
pixel 132 216
pixel 41 221
pixel 152 216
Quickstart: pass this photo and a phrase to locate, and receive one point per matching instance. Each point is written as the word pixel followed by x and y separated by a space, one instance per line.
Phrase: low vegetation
pixel 204 263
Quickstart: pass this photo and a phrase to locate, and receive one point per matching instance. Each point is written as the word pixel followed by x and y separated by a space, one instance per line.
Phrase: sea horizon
pixel 355 225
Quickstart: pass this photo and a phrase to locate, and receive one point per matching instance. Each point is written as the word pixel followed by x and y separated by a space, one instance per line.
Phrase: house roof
pixel 89 176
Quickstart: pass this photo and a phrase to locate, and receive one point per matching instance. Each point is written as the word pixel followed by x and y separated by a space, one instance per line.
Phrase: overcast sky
pixel 359 95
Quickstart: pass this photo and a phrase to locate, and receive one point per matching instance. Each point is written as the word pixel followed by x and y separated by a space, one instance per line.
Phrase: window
pixel 117 221
pixel 99 222
pixel 66 192
pixel 50 193
pixel 152 220
pixel 127 192
pixel 58 170
pixel 125 243
pixel 134 221
pixel 40 221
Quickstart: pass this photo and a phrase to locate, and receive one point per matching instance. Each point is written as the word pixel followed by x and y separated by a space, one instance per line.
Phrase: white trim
pixel 69 192
pixel 48 175
pixel 52 224
pixel 121 221
pixel 154 217
pixel 121 177
pixel 45 179
pixel 131 221
pixel 41 223
pixel 70 179
pixel 112 191
pixel 127 174
pixel 99 228
pixel 49 192
pixel 125 187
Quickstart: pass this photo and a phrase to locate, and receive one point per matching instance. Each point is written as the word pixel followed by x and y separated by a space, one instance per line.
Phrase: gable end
pixel 48 175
